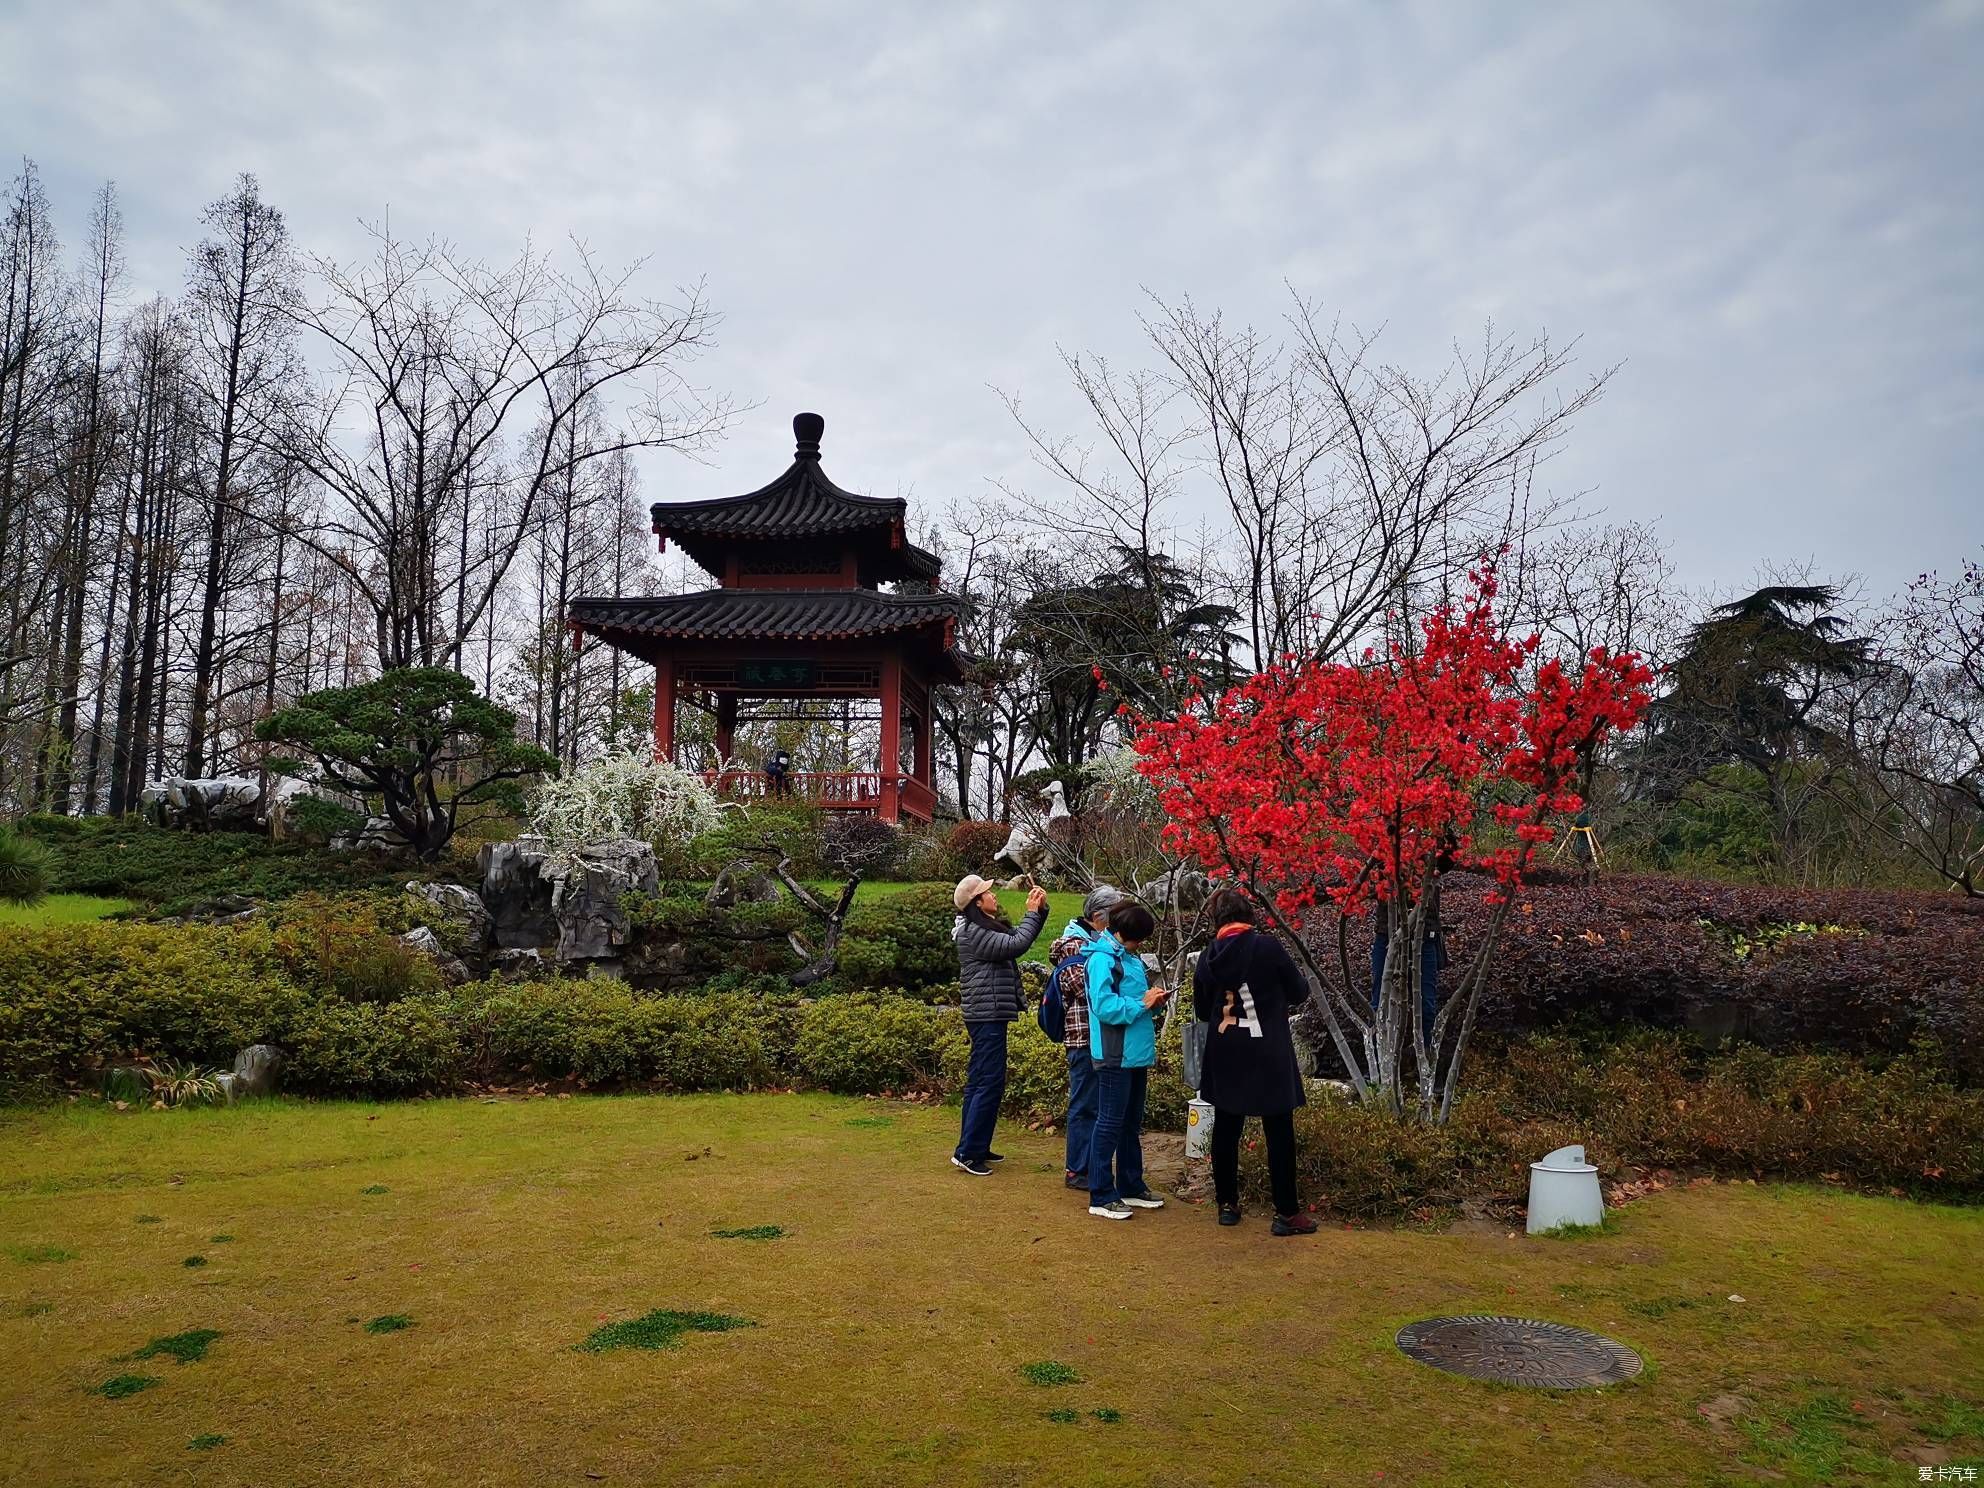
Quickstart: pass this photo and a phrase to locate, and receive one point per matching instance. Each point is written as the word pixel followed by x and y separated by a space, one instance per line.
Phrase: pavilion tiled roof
pixel 763 614
pixel 802 503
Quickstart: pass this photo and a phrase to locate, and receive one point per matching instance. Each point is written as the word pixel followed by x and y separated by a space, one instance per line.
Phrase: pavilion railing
pixel 918 799
pixel 853 789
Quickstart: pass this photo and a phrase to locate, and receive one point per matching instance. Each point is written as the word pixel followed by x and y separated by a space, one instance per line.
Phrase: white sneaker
pixel 1144 1201
pixel 1116 1210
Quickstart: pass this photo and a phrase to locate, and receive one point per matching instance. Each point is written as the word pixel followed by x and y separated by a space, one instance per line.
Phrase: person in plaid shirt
pixel 1074 942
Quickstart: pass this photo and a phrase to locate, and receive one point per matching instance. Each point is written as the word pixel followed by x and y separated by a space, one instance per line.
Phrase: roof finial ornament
pixel 806 430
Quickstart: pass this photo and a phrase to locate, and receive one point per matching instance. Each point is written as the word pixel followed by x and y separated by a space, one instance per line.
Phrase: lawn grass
pixel 1062 905
pixel 892 1330
pixel 62 909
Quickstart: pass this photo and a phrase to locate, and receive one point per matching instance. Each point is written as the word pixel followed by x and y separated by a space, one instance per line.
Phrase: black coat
pixel 1249 1063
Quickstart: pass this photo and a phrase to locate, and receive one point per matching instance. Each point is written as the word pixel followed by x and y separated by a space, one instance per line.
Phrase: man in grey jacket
pixel 989 950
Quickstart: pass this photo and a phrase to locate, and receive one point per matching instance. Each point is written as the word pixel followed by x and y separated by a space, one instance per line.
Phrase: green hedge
pixel 73 998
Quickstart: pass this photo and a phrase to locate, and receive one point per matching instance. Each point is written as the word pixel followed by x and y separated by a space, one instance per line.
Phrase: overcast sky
pixel 1772 214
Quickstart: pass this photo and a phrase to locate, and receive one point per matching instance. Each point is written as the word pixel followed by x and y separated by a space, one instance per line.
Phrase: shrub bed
pixel 1650 1102
pixel 181 872
pixel 1858 970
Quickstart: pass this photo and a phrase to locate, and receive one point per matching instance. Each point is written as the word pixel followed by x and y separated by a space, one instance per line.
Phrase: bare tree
pixel 1348 486
pixel 454 382
pixel 238 303
pixel 1911 762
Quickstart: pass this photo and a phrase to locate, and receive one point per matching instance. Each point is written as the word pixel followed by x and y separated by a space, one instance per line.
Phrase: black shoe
pixel 1294 1224
pixel 1229 1214
pixel 1077 1180
pixel 972 1165
pixel 995 1157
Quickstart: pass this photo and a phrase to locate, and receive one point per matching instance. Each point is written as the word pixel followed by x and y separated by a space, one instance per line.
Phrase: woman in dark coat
pixel 1245 987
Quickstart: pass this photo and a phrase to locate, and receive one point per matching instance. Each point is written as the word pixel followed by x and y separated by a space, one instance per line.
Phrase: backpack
pixel 1053 1010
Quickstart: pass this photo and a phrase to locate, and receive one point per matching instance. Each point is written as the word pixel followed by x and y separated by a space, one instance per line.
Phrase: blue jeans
pixel 1081 1107
pixel 984 1090
pixel 1431 958
pixel 1116 1151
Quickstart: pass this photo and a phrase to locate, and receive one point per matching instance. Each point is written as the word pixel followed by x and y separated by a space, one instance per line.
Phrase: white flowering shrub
pixel 1117 782
pixel 628 793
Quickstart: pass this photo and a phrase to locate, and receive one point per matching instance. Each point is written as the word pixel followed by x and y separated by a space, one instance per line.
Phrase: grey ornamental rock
pixel 256 1068
pixel 588 893
pixel 535 900
pixel 1181 889
pixel 423 939
pixel 460 905
pixel 378 834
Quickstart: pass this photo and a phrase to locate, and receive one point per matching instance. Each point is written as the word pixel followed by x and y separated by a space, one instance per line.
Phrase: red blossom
pixel 1316 780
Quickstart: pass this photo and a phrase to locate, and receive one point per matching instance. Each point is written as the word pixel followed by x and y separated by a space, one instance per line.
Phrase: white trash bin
pixel 1198 1128
pixel 1563 1190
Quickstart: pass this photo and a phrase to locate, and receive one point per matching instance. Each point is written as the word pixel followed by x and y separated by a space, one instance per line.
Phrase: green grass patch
pixel 194 1261
pixel 62 909
pixel 40 1255
pixel 120 1385
pixel 36 1309
pixel 1107 1413
pixel 871 1121
pixel 1062 1416
pixel 146 1219
pixel 659 1329
pixel 392 1322
pixel 1047 1372
pixel 1609 1225
pixel 188 1348
pixel 205 1442
pixel 1659 1307
pixel 1850 1296
pixel 1817 1441
pixel 1958 1420
pixel 755 1232
pixel 377 1188
pixel 220 1240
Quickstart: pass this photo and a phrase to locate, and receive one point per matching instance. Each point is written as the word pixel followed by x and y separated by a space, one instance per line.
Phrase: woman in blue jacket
pixel 1123 1046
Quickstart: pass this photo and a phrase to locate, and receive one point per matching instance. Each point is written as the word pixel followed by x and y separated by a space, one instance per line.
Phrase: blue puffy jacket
pixel 1121 1032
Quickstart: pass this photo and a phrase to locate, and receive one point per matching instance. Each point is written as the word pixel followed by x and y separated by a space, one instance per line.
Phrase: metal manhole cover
pixel 1518 1351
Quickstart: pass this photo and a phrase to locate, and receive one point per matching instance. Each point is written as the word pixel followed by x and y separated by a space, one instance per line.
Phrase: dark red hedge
pixel 1718 960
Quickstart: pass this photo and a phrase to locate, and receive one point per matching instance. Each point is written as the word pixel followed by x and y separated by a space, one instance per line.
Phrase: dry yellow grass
pixel 895 1314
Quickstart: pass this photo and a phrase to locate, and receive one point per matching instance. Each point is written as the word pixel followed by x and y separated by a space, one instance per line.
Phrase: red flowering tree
pixel 1320 784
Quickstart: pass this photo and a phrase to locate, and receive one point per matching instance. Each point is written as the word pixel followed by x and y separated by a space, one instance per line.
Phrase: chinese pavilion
pixel 799 613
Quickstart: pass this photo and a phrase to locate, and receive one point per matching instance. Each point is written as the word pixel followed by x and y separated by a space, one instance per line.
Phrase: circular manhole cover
pixel 1518 1351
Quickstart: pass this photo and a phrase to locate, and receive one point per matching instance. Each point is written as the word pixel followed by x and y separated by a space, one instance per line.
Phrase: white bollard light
pixel 1198 1128
pixel 1563 1190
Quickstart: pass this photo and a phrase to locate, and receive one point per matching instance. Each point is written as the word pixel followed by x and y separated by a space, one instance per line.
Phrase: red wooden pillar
pixel 890 806
pixel 923 762
pixel 664 708
pixel 726 727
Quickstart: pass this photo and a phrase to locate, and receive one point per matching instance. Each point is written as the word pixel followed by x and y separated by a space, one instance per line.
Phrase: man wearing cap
pixel 989 950
pixel 1068 954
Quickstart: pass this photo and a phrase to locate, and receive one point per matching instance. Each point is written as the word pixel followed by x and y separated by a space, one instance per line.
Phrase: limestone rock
pixel 1182 889
pixel 378 834
pixel 534 899
pixel 459 905
pixel 516 893
pixel 520 964
pixel 422 939
pixel 586 898
pixel 255 1069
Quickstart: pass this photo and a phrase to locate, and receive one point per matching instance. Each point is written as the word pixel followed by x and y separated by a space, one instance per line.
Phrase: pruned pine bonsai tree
pixel 421 741
pixel 24 869
pixel 1321 786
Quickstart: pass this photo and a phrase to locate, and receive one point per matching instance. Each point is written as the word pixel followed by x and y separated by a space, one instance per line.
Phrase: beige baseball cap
pixel 969 888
